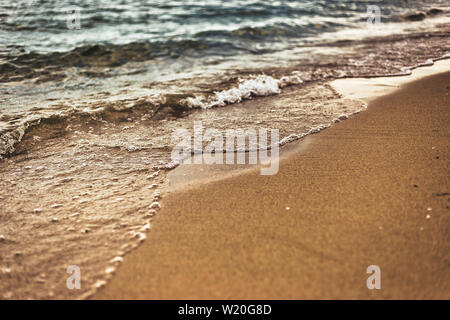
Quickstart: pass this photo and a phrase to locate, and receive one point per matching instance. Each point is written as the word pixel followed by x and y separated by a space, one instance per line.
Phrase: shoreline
pixel 371 88
pixel 368 89
pixel 359 179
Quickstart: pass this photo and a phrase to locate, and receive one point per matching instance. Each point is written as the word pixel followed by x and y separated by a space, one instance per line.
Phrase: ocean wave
pixel 259 86
pixel 26 65
pixel 166 106
pixel 117 111
pixel 163 106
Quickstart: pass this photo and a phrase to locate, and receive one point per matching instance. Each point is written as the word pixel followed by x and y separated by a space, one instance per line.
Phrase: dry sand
pixel 359 194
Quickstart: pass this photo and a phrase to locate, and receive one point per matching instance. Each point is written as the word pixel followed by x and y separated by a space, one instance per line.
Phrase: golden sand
pixel 372 190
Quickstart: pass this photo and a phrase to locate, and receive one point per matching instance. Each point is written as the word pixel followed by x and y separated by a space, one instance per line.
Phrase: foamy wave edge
pixel 257 86
pixel 261 85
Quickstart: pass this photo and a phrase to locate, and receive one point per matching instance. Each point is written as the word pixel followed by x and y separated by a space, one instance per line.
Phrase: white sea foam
pixel 9 139
pixel 155 205
pixel 259 86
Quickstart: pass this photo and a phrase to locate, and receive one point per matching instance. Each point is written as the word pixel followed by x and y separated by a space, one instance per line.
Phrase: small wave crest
pixel 106 111
pixel 163 105
pixel 260 86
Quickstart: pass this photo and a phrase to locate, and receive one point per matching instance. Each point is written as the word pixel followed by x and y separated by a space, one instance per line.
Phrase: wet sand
pixel 372 190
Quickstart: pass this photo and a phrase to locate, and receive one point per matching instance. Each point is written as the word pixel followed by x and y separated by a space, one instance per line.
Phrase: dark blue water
pixel 144 30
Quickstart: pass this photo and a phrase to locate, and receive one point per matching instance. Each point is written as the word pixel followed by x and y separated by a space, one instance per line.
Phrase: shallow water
pixel 86 116
pixel 182 52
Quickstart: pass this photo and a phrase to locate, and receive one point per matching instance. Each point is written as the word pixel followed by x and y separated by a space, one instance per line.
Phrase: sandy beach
pixel 371 190
pixel 224 150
